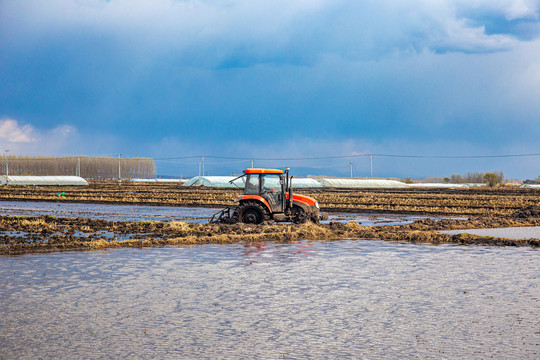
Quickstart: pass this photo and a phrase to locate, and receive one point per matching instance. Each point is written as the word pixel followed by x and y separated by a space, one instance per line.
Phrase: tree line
pixel 477 177
pixel 93 168
pixel 490 178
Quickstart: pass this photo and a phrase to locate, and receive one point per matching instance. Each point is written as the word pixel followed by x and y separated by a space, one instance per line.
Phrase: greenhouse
pixel 530 186
pixel 305 183
pixel 296 183
pixel 152 181
pixel 363 184
pixel 439 186
pixel 223 182
pixel 216 181
pixel 42 180
pixel 180 181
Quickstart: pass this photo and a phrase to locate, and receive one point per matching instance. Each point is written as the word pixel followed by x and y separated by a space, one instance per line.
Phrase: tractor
pixel 268 196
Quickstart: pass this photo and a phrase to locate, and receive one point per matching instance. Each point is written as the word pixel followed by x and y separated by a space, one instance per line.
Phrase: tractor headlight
pixel 317 204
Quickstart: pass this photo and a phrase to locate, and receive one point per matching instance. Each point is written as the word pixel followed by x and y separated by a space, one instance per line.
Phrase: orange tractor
pixel 268 196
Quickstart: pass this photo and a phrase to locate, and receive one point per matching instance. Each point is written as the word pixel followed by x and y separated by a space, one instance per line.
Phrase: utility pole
pixel 119 171
pixel 252 164
pixel 79 165
pixel 350 162
pixel 203 166
pixel 371 164
pixel 7 168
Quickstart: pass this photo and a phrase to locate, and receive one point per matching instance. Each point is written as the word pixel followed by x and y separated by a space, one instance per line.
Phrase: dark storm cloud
pixel 201 76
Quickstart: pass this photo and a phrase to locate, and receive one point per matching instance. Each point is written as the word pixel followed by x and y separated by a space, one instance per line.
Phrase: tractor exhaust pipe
pixel 290 195
pixel 288 202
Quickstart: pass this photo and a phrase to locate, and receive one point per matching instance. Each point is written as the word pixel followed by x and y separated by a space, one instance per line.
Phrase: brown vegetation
pixel 47 233
pixel 490 179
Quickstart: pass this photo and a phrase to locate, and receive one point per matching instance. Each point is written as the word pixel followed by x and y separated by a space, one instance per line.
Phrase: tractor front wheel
pixel 299 215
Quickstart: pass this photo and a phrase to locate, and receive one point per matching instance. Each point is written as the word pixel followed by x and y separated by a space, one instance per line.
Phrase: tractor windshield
pixel 252 185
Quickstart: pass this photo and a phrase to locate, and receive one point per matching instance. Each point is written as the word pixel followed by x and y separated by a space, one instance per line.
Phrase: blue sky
pixel 275 79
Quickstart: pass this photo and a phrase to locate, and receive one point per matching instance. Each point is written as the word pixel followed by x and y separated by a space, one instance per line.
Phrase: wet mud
pixel 502 201
pixel 49 233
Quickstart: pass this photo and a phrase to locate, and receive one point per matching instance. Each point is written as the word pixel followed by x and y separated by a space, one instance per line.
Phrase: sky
pixel 428 82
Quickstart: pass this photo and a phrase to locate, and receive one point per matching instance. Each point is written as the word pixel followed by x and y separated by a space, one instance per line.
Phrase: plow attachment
pixel 224 216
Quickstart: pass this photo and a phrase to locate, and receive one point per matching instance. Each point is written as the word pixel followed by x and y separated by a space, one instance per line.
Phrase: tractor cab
pixel 268 184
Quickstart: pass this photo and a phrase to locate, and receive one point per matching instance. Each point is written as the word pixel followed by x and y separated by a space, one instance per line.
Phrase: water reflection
pixel 258 252
pixel 308 299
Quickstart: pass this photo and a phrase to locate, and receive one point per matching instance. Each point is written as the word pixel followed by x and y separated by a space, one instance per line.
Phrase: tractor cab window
pixel 252 185
pixel 271 191
pixel 270 183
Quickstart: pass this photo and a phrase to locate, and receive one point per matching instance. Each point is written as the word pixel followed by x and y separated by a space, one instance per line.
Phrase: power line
pixel 354 156
pixel 182 157
pixel 260 159
pixel 48 158
pixel 456 157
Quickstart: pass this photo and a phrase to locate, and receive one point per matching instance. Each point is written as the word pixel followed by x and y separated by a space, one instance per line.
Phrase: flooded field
pixel 197 215
pixel 106 211
pixel 48 227
pixel 304 299
pixel 526 232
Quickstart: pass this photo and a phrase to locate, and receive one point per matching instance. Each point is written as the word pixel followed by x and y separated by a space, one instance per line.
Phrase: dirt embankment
pixel 47 233
pixel 467 202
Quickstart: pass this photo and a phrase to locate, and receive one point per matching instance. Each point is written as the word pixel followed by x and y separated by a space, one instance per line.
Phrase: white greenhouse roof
pixel 170 180
pixel 439 185
pixel 180 181
pixel 363 183
pixel 42 180
pixel 305 183
pixel 531 186
pixel 216 181
pixel 223 182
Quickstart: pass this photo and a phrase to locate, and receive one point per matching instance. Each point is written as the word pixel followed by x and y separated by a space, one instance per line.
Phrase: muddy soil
pixel 470 202
pixel 49 233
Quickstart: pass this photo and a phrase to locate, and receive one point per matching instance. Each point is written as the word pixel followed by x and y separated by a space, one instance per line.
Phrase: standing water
pixel 113 212
pixel 341 299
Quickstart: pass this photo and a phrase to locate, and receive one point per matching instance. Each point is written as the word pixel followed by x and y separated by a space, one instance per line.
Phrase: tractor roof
pixel 263 171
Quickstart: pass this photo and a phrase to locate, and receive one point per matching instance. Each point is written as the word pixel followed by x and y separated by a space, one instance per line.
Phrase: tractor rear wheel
pixel 299 215
pixel 251 212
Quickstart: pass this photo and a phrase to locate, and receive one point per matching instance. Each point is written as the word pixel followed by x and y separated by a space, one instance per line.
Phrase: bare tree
pixel 96 168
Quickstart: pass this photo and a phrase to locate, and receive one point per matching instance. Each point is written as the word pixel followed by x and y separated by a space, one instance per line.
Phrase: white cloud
pixel 510 9
pixel 471 39
pixel 522 9
pixel 12 132
pixel 26 139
